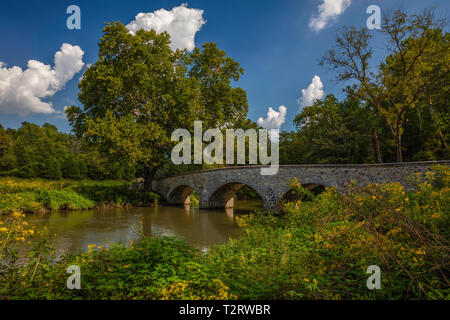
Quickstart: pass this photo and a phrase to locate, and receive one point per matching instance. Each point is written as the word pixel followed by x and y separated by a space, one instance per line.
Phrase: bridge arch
pixel 291 195
pixel 272 188
pixel 223 194
pixel 180 195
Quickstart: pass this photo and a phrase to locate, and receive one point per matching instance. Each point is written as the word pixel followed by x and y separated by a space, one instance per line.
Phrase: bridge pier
pixel 229 204
pixel 180 196
pixel 217 201
pixel 220 204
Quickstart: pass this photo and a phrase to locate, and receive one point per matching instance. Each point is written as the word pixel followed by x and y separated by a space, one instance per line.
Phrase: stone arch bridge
pixel 217 187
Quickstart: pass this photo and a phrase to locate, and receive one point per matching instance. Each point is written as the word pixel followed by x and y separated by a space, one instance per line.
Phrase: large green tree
pixel 139 91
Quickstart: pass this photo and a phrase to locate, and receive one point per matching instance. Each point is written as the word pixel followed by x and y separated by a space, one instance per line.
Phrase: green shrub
pixel 23 201
pixel 154 268
pixel 64 199
pixel 321 249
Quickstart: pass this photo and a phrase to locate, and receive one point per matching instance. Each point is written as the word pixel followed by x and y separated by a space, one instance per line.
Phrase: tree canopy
pixel 417 64
pixel 139 91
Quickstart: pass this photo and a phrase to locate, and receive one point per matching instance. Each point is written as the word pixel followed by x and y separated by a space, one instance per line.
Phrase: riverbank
pixel 40 195
pixel 316 249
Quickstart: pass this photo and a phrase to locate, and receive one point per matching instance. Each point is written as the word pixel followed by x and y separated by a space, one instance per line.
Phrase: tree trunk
pixel 149 174
pixel 398 140
pixel 376 146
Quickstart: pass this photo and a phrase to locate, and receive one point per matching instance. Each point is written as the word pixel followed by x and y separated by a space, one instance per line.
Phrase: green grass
pixel 31 195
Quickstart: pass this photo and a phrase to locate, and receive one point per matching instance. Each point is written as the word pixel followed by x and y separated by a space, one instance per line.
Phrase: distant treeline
pixel 350 131
pixel 34 151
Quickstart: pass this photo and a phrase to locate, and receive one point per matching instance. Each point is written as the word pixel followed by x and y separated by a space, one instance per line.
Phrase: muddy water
pixel 75 230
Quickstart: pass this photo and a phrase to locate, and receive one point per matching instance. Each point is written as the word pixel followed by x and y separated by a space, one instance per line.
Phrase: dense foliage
pixel 34 151
pixel 317 249
pixel 406 95
pixel 33 195
pixel 320 249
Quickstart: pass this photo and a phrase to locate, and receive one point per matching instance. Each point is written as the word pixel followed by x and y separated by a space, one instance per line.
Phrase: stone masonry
pixel 217 187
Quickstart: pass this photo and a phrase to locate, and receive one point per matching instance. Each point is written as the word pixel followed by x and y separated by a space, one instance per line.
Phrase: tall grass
pixel 31 195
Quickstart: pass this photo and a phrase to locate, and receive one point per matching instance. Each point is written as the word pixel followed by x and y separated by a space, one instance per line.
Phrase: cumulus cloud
pixel 312 93
pixel 182 23
pixel 329 10
pixel 22 91
pixel 274 119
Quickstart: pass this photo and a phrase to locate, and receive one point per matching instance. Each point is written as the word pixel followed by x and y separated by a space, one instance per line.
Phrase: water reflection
pixel 201 228
pixel 230 213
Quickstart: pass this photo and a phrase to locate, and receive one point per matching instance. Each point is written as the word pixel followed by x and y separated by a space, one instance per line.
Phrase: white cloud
pixel 182 23
pixel 68 62
pixel 21 91
pixel 329 10
pixel 274 119
pixel 312 93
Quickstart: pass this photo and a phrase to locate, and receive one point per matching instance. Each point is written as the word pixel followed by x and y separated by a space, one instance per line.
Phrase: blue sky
pixel 272 40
